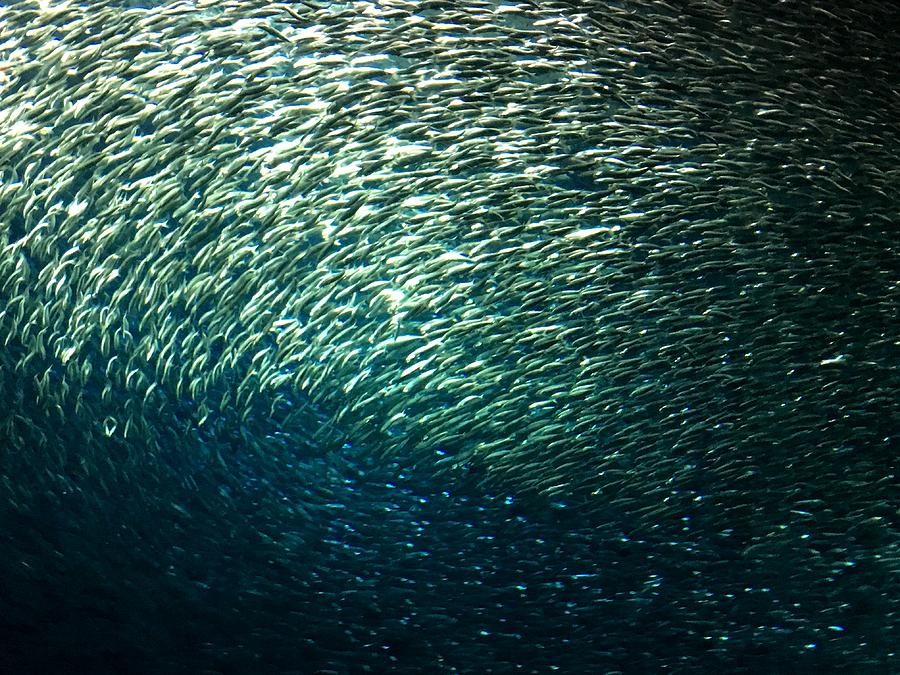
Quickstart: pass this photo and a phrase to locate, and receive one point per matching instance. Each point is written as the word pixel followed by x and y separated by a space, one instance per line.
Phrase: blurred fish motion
pixel 445 336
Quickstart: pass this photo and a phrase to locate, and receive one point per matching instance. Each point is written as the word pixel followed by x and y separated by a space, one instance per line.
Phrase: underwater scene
pixel 449 336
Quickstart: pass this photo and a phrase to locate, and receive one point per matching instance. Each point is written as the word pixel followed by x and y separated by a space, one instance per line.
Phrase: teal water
pixel 452 338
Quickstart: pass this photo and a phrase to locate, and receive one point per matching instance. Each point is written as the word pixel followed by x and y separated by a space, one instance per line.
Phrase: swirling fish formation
pixel 633 262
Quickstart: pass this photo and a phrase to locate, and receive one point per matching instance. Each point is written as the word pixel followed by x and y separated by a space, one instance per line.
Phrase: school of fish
pixel 630 264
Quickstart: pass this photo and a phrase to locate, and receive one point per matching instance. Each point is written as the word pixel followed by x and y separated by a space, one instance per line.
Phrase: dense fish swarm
pixel 449 337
